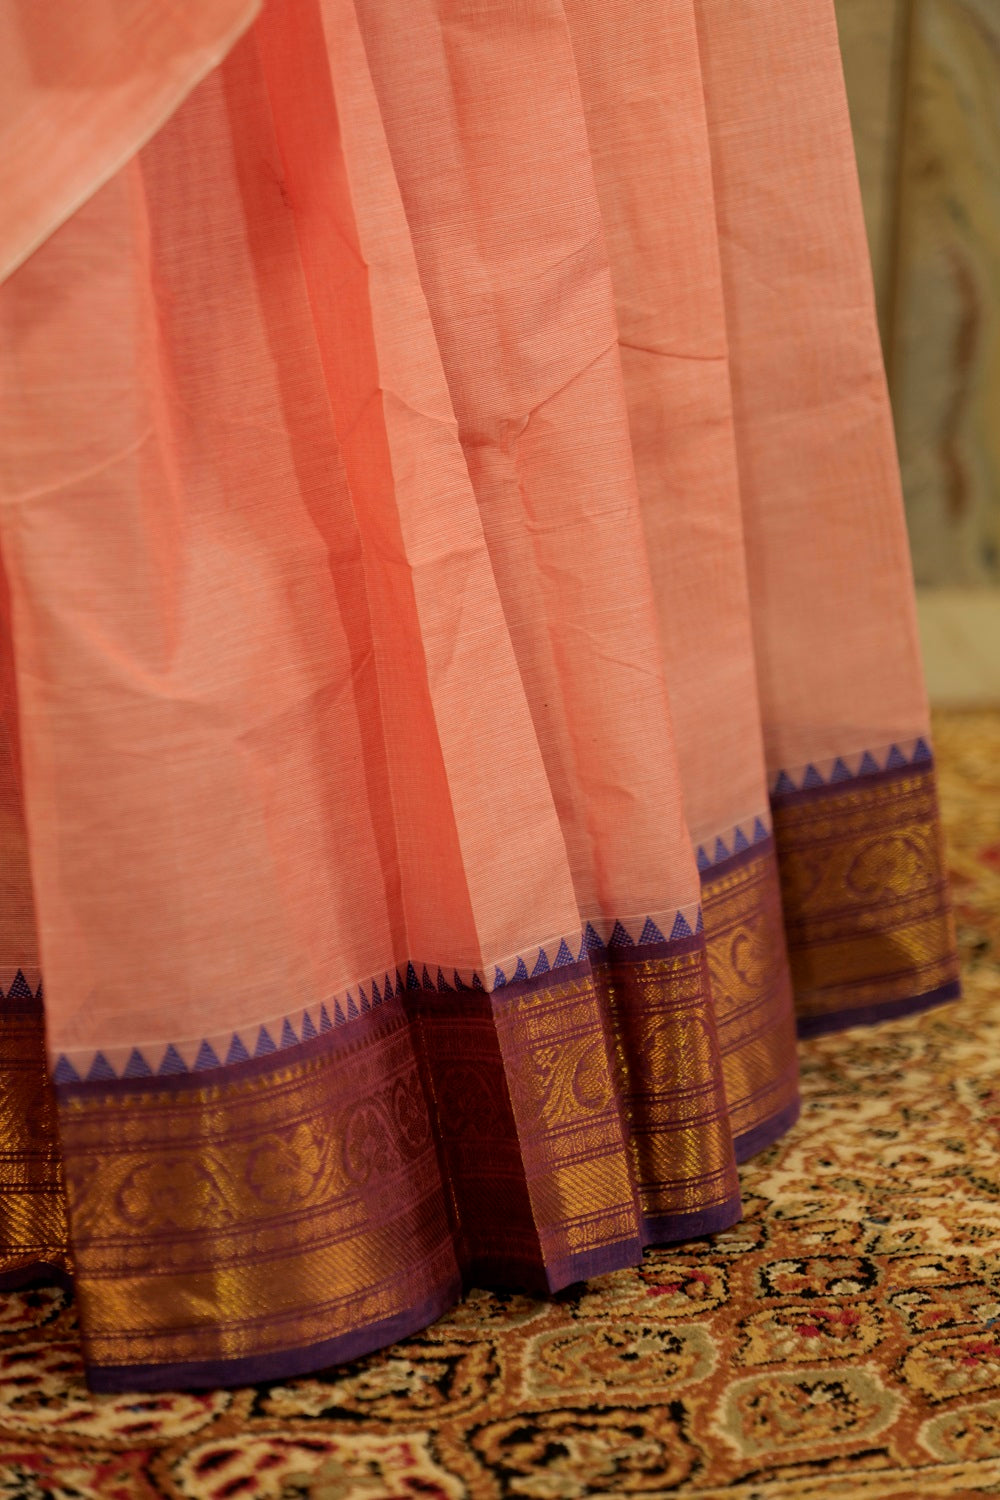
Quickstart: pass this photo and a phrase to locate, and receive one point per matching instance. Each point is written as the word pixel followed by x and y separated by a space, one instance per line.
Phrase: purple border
pixel 282 1365
pixel 923 767
pixel 667 1229
pixel 767 1132
pixel 339 1040
pixel 394 1011
pixel 885 1010
pixel 760 850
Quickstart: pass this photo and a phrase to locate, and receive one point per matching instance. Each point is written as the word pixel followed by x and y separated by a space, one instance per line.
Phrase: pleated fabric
pixel 460 686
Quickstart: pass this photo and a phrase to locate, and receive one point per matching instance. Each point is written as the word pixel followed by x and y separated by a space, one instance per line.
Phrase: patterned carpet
pixel 842 1341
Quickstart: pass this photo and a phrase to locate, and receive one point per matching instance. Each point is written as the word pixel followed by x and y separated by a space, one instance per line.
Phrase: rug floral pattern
pixel 842 1341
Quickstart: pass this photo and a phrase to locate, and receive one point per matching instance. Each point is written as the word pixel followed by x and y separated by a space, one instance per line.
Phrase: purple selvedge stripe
pixel 600 1261
pixel 284 1364
pixel 38 1273
pixel 600 957
pixel 342 1039
pixel 762 848
pixel 767 1132
pixel 666 1229
pixel 886 1010
pixel 852 784
pixel 338 1041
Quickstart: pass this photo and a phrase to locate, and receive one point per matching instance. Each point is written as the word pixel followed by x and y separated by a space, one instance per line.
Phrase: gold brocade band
pixel 752 994
pixel 34 1240
pixel 865 893
pixel 300 1209
pixel 259 1220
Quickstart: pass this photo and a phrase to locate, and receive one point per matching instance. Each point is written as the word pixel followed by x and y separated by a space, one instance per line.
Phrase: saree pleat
pixel 428 774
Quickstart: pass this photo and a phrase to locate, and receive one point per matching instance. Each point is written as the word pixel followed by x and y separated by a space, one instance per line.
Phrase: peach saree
pixel 462 709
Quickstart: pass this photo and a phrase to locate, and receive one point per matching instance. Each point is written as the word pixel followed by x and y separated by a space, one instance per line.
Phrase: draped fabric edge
pixel 63 179
pixel 336 1191
pixel 310 1205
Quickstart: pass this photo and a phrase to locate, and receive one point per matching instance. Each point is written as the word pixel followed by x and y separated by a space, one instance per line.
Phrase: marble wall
pixel 923 79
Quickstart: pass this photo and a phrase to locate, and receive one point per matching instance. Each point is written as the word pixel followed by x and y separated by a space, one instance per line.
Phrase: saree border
pixel 866 896
pixel 751 991
pixel 307 1208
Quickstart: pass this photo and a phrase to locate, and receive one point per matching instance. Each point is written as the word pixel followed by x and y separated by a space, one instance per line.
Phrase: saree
pixel 462 707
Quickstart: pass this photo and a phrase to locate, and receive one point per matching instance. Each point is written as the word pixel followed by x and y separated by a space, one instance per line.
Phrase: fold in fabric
pixel 461 701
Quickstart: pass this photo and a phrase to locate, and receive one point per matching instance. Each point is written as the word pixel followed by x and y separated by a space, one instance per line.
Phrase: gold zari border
pixel 33 1228
pixel 751 989
pixel 865 892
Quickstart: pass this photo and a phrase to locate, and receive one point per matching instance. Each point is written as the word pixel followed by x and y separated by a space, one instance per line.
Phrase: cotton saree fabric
pixel 462 702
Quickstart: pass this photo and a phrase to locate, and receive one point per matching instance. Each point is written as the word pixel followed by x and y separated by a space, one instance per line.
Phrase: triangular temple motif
pixel 620 937
pixel 840 771
pixel 206 1058
pixel 308 1029
pixel 64 1071
pixel 412 982
pixel 20 989
pixel 699 926
pixel 376 993
pixel 564 956
pixel 265 1043
pixel 591 942
pixel 520 971
pixel 720 852
pixel 499 979
pixel 542 964
pixel 137 1066
pixel 812 779
pixel 869 765
pixel 760 832
pixel 681 928
pixel 477 983
pixel 339 1019
pixel 363 1002
pixel 443 987
pixel 702 859
pixel 237 1052
pixel 288 1037
pixel 740 841
pixel 921 752
pixel 172 1063
pixel 325 1024
pixel 651 933
pixel 426 980
pixel 896 759
pixel 784 785
pixel 100 1070
pixel 352 1007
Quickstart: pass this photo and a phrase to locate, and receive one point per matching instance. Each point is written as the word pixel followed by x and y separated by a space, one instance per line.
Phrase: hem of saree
pixel 289 1363
pixel 282 1364
pixel 767 1132
pixel 887 1010
pixel 670 1229
pixel 865 897
pixel 36 1273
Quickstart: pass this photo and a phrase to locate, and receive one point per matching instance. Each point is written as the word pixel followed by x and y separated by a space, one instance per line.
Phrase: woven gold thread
pixel 865 893
pixel 751 989
pixel 32 1198
pixel 671 1080
pixel 285 1207
pixel 562 1092
pixel 258 1214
